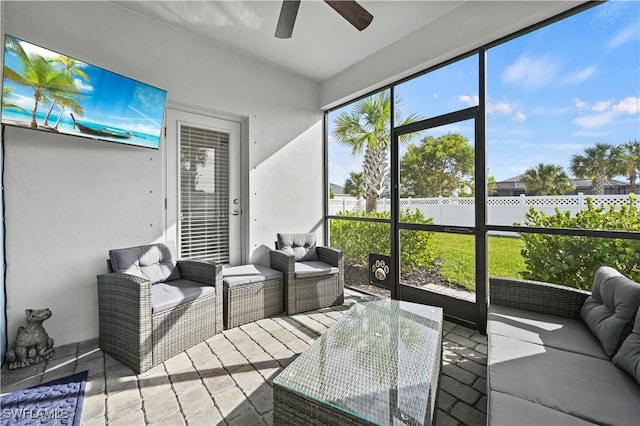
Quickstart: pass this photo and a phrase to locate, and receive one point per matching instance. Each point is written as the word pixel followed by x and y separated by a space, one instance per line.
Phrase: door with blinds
pixel 204 207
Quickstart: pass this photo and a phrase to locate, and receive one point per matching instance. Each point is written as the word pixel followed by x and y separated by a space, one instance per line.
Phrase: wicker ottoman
pixel 251 292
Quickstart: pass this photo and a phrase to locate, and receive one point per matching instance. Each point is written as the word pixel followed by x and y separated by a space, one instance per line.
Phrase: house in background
pixel 514 187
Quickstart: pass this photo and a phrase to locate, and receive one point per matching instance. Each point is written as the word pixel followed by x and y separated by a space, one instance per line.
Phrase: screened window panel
pixel 204 194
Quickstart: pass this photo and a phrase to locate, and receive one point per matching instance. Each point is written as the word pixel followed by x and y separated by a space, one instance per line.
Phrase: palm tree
pixel 64 103
pixel 72 68
pixel 600 163
pixel 366 129
pixel 631 162
pixel 546 179
pixel 354 185
pixel 7 93
pixel 37 74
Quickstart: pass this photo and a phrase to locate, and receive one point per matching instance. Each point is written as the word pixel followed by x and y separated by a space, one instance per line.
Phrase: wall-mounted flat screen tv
pixel 45 90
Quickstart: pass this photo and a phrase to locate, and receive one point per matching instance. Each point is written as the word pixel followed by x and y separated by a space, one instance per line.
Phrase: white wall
pixel 69 200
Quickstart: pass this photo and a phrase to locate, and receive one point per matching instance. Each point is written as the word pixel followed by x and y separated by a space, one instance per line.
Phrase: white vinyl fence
pixel 459 211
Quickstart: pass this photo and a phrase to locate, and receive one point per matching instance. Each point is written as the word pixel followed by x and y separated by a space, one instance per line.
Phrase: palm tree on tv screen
pixel 72 68
pixel 547 179
pixel 67 102
pixel 599 163
pixel 38 74
pixel 7 93
pixel 366 129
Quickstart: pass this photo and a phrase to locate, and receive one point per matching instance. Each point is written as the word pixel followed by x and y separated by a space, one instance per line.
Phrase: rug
pixel 58 402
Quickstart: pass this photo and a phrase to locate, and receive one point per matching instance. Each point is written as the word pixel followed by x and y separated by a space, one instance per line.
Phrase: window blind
pixel 204 194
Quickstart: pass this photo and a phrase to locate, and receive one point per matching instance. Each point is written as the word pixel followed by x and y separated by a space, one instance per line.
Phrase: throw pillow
pixel 610 310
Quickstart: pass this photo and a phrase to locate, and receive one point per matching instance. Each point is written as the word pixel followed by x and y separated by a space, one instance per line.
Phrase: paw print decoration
pixel 380 270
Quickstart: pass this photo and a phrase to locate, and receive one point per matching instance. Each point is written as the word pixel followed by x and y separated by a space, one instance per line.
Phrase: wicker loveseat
pixel 151 307
pixel 313 275
pixel 561 356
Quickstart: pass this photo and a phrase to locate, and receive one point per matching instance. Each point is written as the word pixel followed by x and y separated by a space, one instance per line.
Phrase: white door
pixel 204 208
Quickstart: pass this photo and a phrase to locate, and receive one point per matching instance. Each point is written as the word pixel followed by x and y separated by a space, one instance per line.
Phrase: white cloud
pixel 82 86
pixel 500 108
pixel 37 50
pixel 623 36
pixel 579 76
pixel 25 102
pixel 630 105
pixel 591 134
pixel 595 120
pixel 579 103
pixel 601 106
pixel 469 100
pixel 519 117
pixel 531 73
pixel 503 108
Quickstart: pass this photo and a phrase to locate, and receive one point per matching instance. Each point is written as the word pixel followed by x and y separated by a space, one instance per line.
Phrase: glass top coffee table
pixel 378 364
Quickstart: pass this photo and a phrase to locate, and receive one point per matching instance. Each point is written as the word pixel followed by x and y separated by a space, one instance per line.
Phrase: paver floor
pixel 227 379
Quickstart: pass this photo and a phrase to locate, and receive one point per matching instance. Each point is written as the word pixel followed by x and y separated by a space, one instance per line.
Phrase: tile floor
pixel 226 380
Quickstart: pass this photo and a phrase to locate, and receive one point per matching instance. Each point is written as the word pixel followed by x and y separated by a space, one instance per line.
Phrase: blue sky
pixel 108 98
pixel 551 93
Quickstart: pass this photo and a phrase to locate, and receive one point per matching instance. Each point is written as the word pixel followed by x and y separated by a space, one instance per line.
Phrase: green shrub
pixel 358 238
pixel 573 261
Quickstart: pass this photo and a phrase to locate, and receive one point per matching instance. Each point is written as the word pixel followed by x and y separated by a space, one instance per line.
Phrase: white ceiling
pixel 323 43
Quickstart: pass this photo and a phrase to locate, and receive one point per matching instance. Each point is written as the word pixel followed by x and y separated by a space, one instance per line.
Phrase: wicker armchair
pixel 151 307
pixel 313 275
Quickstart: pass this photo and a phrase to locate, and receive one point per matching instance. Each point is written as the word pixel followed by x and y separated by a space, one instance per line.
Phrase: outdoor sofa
pixel 561 356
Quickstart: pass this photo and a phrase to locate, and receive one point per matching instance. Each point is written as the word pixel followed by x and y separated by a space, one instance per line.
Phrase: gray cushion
pixel 170 294
pixel 235 276
pixel 549 330
pixel 301 246
pixel 628 356
pixel 582 386
pixel 314 268
pixel 508 410
pixel 611 308
pixel 155 263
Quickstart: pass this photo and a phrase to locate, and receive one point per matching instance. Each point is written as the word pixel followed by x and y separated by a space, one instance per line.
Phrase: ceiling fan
pixel 349 10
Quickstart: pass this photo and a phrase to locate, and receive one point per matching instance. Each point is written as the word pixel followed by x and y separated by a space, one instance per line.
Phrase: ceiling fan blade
pixel 352 12
pixel 287 18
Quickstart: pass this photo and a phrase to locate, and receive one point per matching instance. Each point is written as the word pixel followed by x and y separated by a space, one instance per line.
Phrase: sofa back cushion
pixel 610 310
pixel 301 246
pixel 628 356
pixel 155 263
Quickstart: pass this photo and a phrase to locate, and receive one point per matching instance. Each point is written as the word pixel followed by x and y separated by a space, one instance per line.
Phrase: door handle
pixel 235 212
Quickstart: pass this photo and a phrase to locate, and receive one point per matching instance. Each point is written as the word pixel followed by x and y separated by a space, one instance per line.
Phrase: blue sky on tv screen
pixel 98 98
pixel 551 93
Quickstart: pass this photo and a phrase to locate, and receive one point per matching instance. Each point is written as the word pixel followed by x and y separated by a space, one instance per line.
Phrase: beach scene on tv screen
pixel 45 90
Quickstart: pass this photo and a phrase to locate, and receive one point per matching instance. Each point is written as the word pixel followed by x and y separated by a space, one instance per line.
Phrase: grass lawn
pixel 456 256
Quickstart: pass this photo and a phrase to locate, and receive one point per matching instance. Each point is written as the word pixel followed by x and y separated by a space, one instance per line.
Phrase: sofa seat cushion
pixel 508 410
pixel 235 276
pixel 586 387
pixel 173 293
pixel 155 263
pixel 628 356
pixel 301 246
pixel 313 269
pixel 548 330
pixel 610 310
